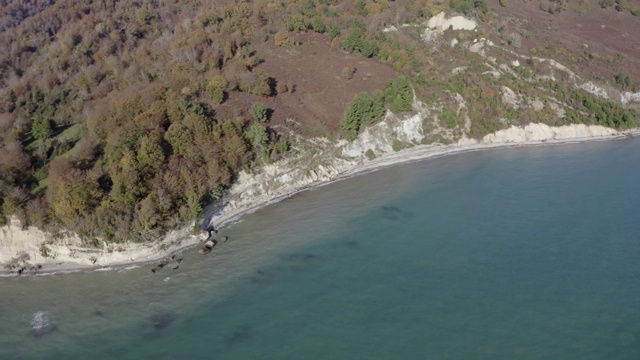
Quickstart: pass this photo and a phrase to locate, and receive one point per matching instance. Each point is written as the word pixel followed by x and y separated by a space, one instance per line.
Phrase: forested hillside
pixel 120 119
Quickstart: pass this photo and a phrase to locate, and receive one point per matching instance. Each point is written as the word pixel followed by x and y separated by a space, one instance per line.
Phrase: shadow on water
pixel 261 277
pixel 240 335
pixel 394 213
pixel 301 257
pixel 161 321
pixel 296 262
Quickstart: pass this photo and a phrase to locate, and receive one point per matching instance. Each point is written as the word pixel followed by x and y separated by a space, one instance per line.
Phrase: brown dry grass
pixel 314 70
pixel 597 43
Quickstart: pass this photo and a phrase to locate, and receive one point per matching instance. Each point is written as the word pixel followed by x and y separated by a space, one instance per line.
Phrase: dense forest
pixel 111 112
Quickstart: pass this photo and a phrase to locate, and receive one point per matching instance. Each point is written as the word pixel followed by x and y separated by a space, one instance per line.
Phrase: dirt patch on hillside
pixel 313 70
pixel 597 43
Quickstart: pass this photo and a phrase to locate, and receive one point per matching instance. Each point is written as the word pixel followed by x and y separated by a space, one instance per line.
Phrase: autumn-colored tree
pixel 72 192
pixel 281 38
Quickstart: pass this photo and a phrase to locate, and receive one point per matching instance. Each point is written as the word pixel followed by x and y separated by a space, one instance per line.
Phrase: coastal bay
pixel 524 252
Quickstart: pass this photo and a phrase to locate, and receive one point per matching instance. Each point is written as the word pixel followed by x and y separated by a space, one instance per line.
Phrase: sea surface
pixel 517 253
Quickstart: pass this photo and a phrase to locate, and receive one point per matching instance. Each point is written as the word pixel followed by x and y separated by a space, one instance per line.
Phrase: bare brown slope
pixel 595 42
pixel 317 93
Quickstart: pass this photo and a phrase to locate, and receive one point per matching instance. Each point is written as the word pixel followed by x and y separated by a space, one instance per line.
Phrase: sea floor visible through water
pixel 527 253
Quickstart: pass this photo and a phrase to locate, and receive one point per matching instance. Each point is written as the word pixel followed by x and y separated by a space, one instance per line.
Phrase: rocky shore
pixel 38 251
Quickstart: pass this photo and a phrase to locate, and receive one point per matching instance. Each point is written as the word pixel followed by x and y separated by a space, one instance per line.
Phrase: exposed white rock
pixel 458 70
pixel 379 138
pixel 390 29
pixel 510 98
pixel 543 132
pixel 537 104
pixel 494 73
pixel 594 90
pixel 477 47
pixel 45 248
pixel 629 97
pixel 441 22
pixel 507 69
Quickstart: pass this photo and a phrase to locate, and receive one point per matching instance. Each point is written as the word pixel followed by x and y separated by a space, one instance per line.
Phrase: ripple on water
pixel 41 324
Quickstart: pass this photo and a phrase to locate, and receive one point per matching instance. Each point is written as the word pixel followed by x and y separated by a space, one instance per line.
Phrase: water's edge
pixel 183 239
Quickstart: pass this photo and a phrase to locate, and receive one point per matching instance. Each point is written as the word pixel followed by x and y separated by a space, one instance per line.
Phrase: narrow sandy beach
pixel 227 216
pixel 230 214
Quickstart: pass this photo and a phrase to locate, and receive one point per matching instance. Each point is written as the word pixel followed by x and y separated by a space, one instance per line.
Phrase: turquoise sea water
pixel 520 253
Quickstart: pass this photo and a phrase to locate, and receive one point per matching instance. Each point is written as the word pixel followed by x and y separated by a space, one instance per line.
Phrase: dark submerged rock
pixel 162 321
pixel 262 277
pixel 394 213
pixel 303 257
pixel 239 335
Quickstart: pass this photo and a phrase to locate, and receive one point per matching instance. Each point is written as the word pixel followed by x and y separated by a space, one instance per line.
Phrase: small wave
pixel 131 267
pixel 40 320
pixel 41 325
pixel 53 273
pixel 108 268
pixel 167 279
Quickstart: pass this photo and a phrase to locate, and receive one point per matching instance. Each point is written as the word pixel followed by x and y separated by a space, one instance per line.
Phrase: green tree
pixel 259 112
pixel 42 128
pixel 334 31
pixel 362 7
pixel 194 204
pixel 151 156
pixel 369 48
pixel 400 95
pixel 362 110
pixel 377 107
pixel 179 137
pixel 318 25
pixel 624 80
pixel 354 40
pixel 217 94
pixel 257 135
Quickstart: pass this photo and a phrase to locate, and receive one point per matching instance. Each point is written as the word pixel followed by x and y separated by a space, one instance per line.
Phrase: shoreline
pixel 405 156
pixel 229 215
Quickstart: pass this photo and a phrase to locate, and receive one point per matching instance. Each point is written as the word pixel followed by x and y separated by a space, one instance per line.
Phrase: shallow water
pixel 528 253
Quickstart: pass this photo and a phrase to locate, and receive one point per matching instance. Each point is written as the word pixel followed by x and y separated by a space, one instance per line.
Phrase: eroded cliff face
pixel 543 132
pixel 393 140
pixel 319 161
pixel 21 246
